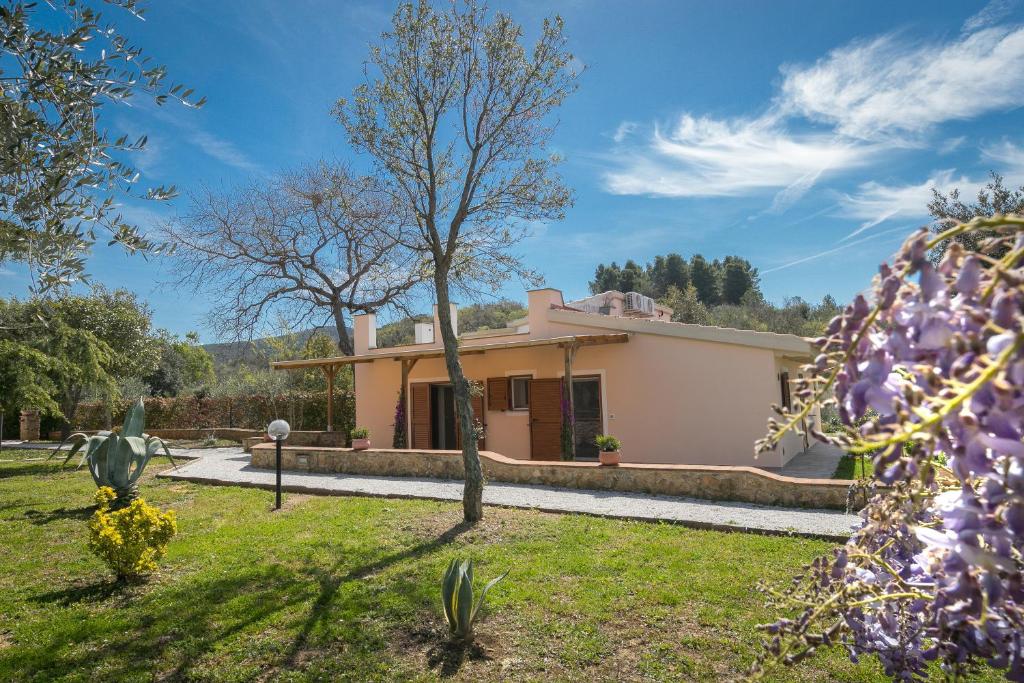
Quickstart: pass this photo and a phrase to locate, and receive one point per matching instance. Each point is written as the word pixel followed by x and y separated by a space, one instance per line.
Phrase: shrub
pixel 457 598
pixel 132 539
pixel 360 433
pixel 607 443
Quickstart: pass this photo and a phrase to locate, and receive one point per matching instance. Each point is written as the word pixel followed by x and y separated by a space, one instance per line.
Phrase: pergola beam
pixel 561 342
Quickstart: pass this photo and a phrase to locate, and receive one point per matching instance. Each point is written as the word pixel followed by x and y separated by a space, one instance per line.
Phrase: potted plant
pixel 608 449
pixel 360 438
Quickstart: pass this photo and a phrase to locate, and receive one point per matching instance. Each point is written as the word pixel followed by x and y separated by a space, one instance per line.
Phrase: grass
pixel 347 589
pixel 854 467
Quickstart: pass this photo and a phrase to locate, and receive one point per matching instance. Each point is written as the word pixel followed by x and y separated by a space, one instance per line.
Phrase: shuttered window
pixel 520 392
pixel 497 393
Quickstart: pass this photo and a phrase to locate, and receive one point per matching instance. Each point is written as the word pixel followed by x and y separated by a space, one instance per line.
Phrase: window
pixel 520 392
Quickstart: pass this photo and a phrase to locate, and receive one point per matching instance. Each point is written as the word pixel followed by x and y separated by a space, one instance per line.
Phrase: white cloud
pixel 887 87
pixel 704 157
pixel 223 151
pixel 1008 156
pixel 624 130
pixel 875 203
pixel 988 15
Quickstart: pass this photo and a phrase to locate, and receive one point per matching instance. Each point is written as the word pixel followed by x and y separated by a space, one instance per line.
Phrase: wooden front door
pixel 546 419
pixel 420 416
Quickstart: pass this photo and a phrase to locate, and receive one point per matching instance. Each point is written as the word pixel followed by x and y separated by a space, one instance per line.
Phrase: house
pixel 672 392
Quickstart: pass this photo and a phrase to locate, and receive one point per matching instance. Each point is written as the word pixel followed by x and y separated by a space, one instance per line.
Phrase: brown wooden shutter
pixel 546 419
pixel 497 393
pixel 420 413
pixel 786 399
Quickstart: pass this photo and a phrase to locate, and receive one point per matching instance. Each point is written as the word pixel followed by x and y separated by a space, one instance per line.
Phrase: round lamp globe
pixel 278 430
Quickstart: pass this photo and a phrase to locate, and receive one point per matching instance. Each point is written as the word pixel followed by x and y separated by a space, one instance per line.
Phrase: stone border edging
pixel 712 482
pixel 688 523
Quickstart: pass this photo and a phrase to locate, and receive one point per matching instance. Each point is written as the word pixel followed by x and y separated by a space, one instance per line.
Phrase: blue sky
pixel 803 136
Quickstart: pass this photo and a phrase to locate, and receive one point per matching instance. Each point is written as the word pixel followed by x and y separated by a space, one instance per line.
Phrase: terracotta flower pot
pixel 360 444
pixel 609 457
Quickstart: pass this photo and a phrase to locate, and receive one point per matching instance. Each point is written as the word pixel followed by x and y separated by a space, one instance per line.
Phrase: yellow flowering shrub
pixel 132 539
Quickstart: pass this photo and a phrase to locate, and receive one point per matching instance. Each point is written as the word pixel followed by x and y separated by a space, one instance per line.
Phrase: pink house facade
pixel 671 392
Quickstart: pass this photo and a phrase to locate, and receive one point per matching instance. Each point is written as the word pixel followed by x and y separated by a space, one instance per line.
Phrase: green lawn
pixel 346 589
pixel 853 467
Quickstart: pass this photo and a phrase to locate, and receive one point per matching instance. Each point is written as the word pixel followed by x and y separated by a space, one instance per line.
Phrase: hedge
pixel 303 411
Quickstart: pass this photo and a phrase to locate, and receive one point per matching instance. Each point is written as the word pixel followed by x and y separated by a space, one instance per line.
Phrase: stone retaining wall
pixel 743 484
pixel 303 438
pixel 232 433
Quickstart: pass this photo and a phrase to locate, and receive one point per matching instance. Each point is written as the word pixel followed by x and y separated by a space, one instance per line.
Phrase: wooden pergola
pixel 569 343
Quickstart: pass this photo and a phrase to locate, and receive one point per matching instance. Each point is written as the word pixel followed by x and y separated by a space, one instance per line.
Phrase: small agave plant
pixel 118 460
pixel 457 596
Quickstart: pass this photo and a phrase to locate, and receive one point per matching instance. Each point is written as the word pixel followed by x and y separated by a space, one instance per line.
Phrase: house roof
pixel 563 341
pixel 786 344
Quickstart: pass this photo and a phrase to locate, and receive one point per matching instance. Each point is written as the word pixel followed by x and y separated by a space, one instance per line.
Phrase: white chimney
pixel 454 312
pixel 424 333
pixel 365 333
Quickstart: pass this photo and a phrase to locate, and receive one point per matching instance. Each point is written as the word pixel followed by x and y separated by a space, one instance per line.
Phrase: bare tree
pixel 456 118
pixel 313 246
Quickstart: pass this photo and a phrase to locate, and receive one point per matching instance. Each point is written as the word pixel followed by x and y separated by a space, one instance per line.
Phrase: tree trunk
pixel 473 491
pixel 344 340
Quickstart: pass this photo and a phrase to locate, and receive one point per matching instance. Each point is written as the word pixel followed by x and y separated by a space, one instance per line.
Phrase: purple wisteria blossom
pixel 931 366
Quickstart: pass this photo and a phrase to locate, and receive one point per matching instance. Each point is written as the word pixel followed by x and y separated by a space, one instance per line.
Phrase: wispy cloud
pixel 705 157
pixel 993 12
pixel 1009 158
pixel 874 203
pixel 222 150
pixel 835 250
pixel 871 96
pixel 889 87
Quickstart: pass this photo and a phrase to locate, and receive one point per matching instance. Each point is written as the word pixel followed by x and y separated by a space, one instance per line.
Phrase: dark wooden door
pixel 546 419
pixel 420 416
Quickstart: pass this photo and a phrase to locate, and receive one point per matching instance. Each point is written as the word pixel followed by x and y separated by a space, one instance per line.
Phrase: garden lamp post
pixel 278 431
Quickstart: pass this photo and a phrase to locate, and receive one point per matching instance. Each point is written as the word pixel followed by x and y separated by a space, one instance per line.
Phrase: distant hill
pixel 471 318
pixel 254 353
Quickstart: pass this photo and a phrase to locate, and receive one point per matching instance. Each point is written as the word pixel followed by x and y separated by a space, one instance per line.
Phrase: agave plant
pixel 457 596
pixel 118 460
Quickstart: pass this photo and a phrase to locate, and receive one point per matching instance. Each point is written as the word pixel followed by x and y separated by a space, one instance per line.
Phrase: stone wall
pixel 743 484
pixel 304 439
pixel 231 433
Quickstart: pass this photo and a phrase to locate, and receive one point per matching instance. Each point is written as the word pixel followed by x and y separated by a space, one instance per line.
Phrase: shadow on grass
pixel 330 583
pixel 73 595
pixel 9 470
pixel 448 657
pixel 40 517
pixel 159 632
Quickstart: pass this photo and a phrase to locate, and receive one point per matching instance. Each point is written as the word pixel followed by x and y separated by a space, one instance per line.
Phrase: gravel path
pixel 230 466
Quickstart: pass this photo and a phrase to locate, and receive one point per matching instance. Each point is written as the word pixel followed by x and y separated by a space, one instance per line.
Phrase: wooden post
pixel 570 354
pixel 329 370
pixel 407 366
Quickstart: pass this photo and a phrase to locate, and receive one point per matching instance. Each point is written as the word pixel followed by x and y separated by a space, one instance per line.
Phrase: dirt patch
pixel 498 525
pixel 6 640
pixel 294 500
pixel 432 650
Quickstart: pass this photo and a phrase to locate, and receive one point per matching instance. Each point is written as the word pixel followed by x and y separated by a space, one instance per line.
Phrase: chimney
pixel 424 333
pixel 437 322
pixel 365 333
pixel 539 302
